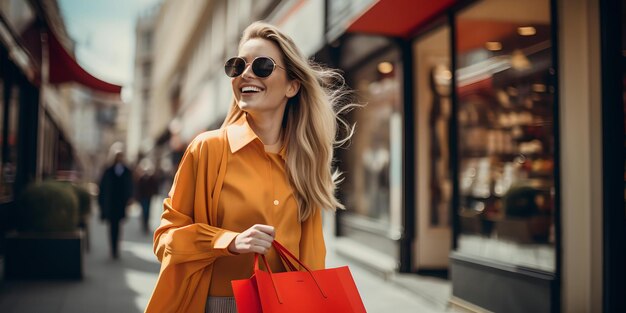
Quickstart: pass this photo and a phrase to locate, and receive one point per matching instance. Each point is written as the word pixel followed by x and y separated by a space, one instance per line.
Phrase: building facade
pixel 503 162
pixel 48 105
pixel 138 140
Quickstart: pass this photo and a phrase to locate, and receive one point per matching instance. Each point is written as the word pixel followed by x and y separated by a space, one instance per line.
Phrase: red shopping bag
pixel 329 290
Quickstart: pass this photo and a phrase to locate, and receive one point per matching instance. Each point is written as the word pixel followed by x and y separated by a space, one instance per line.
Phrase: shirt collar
pixel 240 134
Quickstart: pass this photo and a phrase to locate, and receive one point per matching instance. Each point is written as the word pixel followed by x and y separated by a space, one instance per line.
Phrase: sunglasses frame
pixel 251 64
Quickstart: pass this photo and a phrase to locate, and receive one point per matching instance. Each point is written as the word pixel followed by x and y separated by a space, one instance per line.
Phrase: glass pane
pixel 372 163
pixel 433 110
pixel 506 140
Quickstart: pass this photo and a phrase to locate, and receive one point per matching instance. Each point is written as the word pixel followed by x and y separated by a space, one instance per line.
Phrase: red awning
pixel 398 18
pixel 64 68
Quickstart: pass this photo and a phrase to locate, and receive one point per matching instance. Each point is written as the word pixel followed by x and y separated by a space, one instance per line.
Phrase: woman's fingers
pixel 257 239
pixel 267 229
pixel 259 249
pixel 261 236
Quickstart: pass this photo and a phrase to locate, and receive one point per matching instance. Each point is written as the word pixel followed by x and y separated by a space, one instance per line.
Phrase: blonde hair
pixel 310 123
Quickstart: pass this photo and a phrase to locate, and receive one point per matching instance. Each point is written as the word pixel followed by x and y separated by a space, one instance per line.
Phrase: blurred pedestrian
pixel 147 186
pixel 264 175
pixel 116 190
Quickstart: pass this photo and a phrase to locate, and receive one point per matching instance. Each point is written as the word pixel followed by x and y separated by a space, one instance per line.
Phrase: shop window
pixel 9 148
pixel 145 95
pixel 147 70
pixel 505 143
pixel 433 82
pixel 372 162
pixel 50 147
pixel 147 41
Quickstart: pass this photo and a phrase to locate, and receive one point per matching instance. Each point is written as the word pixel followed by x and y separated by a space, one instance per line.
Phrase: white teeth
pixel 250 89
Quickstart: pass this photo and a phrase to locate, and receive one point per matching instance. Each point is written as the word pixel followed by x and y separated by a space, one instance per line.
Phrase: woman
pixel 264 176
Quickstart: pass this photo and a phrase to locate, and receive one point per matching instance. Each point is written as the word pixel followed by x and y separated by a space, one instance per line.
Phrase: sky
pixel 104 33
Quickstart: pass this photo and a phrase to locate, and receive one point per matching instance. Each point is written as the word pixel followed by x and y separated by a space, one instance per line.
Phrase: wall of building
pixel 176 24
pixel 140 107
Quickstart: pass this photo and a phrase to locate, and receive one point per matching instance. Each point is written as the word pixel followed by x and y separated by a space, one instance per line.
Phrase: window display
pixel 505 133
pixel 433 108
pixel 372 164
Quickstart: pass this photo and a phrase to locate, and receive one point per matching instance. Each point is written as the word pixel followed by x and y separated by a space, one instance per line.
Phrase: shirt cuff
pixel 222 242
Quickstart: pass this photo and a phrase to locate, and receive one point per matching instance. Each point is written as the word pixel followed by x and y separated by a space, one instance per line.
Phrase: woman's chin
pixel 243 105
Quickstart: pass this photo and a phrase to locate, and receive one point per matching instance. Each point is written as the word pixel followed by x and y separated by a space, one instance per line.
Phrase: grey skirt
pixel 220 305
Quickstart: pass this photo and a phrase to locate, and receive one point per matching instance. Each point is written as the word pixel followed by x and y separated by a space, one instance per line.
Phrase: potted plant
pixel 84 210
pixel 47 242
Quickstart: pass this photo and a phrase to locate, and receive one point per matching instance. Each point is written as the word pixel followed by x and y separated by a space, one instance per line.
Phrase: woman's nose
pixel 247 71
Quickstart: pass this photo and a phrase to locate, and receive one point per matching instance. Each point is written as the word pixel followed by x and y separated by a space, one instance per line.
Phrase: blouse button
pixel 276 202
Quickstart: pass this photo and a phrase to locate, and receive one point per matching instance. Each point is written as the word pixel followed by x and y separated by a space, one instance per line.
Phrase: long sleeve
pixel 183 235
pixel 185 243
pixel 312 246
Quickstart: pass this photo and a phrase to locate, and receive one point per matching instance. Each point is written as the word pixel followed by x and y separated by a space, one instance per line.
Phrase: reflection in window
pixel 372 162
pixel 506 140
pixel 433 109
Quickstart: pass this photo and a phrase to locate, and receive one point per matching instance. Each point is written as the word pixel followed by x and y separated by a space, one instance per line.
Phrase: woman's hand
pixel 257 238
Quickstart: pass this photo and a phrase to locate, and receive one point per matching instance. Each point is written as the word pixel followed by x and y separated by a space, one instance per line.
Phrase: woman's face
pixel 263 95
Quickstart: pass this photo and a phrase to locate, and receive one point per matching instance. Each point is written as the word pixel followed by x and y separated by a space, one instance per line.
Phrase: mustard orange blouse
pixel 194 234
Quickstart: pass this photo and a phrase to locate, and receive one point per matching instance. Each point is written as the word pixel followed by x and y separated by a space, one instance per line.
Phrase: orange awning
pixel 398 18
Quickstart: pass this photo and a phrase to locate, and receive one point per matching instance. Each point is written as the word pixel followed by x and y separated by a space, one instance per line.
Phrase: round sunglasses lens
pixel 234 67
pixel 262 67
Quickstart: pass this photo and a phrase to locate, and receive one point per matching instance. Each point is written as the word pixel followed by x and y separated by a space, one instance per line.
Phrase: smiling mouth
pixel 250 90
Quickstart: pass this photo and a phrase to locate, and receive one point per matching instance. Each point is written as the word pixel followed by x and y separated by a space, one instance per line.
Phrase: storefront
pixel 34 117
pixel 462 159
pixel 373 188
pixel 506 114
pixel 18 104
pixel 378 58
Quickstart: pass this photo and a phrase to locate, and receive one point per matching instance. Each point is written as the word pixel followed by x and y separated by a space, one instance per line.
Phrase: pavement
pixel 125 285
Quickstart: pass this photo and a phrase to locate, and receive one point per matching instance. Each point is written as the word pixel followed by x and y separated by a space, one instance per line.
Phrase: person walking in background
pixel 147 186
pixel 265 174
pixel 116 191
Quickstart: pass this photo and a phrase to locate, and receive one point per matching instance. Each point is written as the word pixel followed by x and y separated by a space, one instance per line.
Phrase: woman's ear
pixel 293 88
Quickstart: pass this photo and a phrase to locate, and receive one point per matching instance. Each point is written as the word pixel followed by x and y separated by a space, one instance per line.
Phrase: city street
pixel 125 285
pixel 478 148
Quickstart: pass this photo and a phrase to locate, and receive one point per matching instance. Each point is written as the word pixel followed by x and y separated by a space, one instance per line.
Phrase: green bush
pixel 48 206
pixel 84 202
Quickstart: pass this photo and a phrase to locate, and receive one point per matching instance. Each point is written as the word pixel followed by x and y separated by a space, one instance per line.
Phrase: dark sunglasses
pixel 261 66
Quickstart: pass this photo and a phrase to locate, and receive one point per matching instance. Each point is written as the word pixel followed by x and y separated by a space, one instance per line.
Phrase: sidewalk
pixel 108 286
pixel 125 285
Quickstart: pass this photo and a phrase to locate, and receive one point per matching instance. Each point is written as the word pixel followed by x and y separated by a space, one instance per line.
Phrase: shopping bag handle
pixel 269 270
pixel 284 254
pixel 282 257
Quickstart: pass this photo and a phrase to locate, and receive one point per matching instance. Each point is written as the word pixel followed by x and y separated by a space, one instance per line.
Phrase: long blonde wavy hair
pixel 310 123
